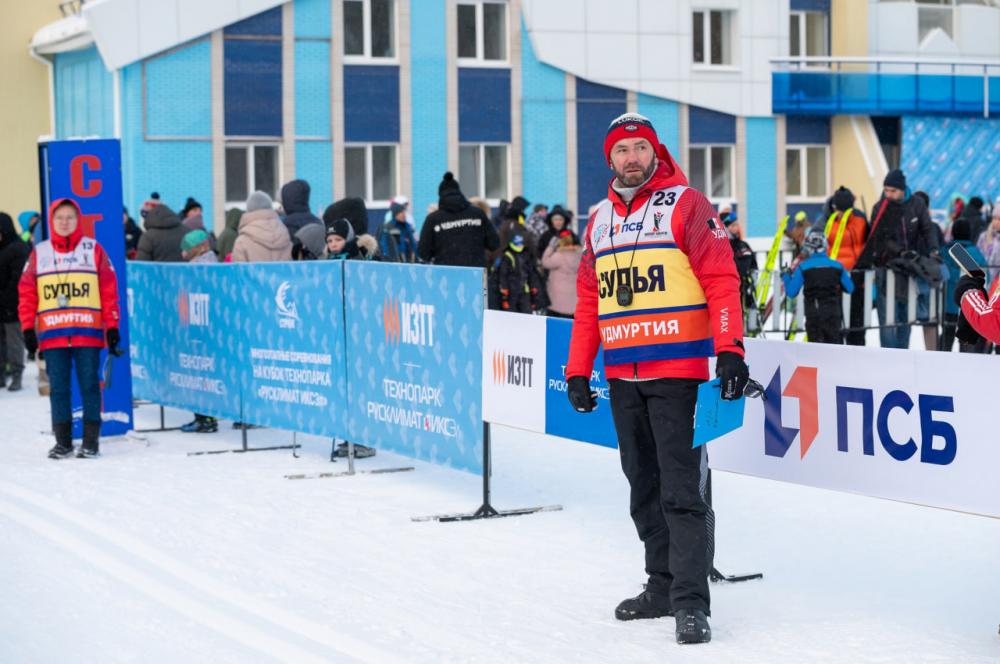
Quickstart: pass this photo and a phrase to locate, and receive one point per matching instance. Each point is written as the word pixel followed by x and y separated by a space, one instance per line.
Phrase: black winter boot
pixel 64 441
pixel 91 440
pixel 692 626
pixel 15 382
pixel 647 604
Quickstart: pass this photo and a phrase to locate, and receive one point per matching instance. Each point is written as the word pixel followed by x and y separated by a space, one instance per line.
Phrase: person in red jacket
pixel 68 308
pixel 980 312
pixel 658 287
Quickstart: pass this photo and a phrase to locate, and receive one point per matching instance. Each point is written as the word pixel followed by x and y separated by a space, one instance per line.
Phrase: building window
pixel 483 171
pixel 251 168
pixel 369 29
pixel 710 170
pixel 482 32
pixel 712 37
pixel 371 173
pixel 807 34
pixel 806 168
pixel 933 14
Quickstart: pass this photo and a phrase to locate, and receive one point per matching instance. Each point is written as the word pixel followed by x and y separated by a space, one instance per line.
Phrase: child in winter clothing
pixel 397 240
pixel 341 243
pixel 195 248
pixel 824 280
pixel 518 279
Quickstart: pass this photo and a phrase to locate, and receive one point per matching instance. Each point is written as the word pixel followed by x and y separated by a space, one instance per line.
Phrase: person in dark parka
pixel 13 255
pixel 161 242
pixel 457 233
pixel 295 201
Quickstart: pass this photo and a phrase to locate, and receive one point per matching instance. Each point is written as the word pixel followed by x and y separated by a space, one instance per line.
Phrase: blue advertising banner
pixel 89 172
pixel 560 418
pixel 293 367
pixel 186 346
pixel 415 362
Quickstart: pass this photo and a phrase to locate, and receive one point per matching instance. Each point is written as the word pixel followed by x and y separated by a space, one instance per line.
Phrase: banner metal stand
pixel 486 510
pixel 350 467
pixel 163 426
pixel 247 448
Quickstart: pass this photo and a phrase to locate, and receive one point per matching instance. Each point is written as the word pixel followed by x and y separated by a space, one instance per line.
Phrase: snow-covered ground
pixel 149 555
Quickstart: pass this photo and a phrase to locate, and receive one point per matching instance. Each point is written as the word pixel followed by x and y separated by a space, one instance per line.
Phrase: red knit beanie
pixel 630 125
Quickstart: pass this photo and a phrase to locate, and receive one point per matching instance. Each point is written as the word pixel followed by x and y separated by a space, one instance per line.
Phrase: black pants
pixel 856 337
pixel 824 321
pixel 655 424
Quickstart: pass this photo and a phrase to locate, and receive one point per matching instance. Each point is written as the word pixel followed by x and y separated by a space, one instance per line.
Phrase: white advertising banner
pixel 911 426
pixel 514 370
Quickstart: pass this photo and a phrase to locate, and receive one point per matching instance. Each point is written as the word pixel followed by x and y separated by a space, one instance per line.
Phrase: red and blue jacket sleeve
pixel 586 338
pixel 107 282
pixel 700 235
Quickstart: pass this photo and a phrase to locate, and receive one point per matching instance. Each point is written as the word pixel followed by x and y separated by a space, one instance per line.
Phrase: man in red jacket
pixel 658 288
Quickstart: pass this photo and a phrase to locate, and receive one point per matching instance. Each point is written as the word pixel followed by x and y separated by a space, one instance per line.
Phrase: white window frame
pixel 480 60
pixel 802 18
pixel 369 172
pixel 251 176
pixel 480 190
pixel 706 27
pixel 366 21
pixel 707 147
pixel 803 196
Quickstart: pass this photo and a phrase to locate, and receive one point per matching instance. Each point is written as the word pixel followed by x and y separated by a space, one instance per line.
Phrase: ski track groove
pixel 339 643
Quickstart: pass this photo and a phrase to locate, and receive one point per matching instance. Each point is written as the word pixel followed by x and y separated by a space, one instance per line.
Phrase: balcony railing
pixel 815 85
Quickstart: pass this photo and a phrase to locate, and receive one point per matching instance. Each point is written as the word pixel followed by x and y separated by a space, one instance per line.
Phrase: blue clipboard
pixel 714 416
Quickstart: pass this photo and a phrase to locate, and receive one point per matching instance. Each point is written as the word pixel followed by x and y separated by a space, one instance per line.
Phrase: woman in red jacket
pixel 68 308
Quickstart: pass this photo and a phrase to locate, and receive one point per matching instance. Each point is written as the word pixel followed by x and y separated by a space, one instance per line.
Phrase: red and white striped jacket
pixel 983 314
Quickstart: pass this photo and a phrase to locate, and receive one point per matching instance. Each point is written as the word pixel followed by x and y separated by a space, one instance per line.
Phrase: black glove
pixel 965 284
pixel 113 340
pixel 734 373
pixel 580 396
pixel 964 332
pixel 30 340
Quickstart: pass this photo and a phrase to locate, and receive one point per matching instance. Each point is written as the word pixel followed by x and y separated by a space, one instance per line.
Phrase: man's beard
pixel 634 180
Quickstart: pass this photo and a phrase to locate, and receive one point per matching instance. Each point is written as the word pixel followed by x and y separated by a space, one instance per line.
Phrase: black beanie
pixel 341 227
pixel 189 205
pixel 448 183
pixel 843 199
pixel 895 179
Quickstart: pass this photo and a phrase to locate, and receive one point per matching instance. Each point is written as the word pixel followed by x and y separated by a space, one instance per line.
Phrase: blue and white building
pixel 376 98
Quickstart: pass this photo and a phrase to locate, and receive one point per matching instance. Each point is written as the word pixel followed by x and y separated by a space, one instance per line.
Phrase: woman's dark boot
pixel 64 440
pixel 91 438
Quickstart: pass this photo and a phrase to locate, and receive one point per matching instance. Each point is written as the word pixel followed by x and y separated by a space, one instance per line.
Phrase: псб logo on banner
pixel 938 443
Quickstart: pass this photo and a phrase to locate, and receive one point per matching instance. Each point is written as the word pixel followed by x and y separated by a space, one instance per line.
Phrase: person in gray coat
pixel 161 242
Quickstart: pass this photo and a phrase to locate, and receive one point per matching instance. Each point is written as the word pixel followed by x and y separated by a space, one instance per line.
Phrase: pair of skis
pixel 765 299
